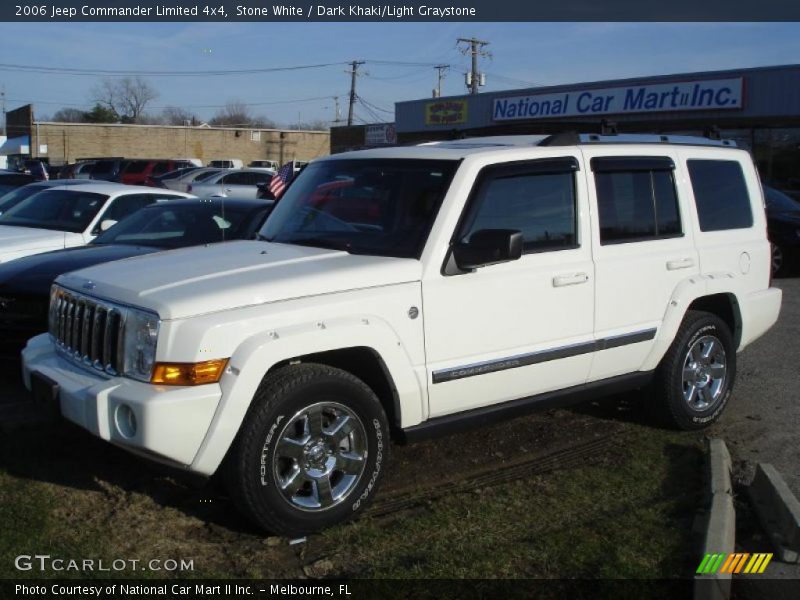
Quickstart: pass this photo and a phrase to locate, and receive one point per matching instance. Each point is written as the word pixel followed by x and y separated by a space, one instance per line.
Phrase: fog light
pixel 125 420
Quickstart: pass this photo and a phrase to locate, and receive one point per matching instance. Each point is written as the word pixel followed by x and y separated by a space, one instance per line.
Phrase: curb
pixel 720 530
pixel 778 511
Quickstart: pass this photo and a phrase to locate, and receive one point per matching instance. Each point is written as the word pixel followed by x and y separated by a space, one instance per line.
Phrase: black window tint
pixel 541 206
pixel 238 179
pixel 720 194
pixel 636 205
pixel 125 205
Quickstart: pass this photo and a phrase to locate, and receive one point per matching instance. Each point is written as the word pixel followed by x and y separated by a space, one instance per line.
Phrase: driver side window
pixel 536 199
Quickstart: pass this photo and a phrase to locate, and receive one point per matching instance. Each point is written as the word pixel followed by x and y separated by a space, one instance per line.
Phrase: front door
pixel 523 327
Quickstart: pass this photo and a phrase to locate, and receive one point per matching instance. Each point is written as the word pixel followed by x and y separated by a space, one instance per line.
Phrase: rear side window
pixel 636 199
pixel 720 194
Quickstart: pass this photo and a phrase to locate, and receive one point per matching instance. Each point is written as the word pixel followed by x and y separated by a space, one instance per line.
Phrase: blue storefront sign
pixel 715 94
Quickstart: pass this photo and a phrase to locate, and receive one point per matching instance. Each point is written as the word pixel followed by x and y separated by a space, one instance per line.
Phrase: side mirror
pixel 107 224
pixel 488 247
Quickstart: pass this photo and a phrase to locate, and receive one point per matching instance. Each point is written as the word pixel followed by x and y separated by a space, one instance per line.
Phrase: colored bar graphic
pixel 738 563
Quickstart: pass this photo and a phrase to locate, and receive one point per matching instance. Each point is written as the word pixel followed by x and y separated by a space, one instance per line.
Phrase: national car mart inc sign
pixel 715 94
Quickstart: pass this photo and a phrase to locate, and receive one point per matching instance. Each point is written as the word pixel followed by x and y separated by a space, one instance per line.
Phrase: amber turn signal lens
pixel 209 371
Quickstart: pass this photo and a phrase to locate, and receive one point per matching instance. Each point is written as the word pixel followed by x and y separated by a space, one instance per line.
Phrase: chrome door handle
pixel 681 263
pixel 571 279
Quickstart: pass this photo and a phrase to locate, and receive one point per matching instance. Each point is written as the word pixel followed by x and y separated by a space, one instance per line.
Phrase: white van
pixel 226 163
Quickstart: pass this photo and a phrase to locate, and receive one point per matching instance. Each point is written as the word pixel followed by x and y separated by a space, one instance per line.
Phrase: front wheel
pixel 311 451
pixel 695 378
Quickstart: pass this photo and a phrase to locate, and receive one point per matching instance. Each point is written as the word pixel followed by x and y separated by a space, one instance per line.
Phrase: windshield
pixel 15 196
pixel 775 200
pixel 367 206
pixel 61 210
pixel 171 226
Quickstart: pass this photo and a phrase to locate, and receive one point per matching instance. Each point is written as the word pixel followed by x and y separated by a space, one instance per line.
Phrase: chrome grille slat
pixel 89 331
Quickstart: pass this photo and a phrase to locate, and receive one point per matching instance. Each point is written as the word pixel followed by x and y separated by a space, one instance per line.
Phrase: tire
pixel 778 260
pixel 311 451
pixel 691 389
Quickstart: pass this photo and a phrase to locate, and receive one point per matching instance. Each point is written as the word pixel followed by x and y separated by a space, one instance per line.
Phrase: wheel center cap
pixel 316 453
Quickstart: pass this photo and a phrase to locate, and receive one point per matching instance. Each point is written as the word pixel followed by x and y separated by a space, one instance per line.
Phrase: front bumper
pixel 171 422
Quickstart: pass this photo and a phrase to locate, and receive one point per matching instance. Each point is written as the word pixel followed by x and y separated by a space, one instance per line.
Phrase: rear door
pixel 642 249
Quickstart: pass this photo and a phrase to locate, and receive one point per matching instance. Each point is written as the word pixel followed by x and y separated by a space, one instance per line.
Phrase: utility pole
pixel 437 93
pixel 338 115
pixel 475 48
pixel 353 74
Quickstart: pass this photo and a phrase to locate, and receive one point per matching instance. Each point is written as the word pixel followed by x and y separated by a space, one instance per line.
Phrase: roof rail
pixel 573 139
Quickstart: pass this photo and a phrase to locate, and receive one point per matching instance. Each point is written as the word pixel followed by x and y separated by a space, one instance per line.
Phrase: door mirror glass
pixel 488 247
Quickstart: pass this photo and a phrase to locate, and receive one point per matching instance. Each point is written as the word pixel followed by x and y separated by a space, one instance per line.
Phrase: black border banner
pixel 397 11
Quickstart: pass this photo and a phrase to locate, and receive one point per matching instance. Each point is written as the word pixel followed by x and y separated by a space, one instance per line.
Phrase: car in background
pixel 25 282
pixel 226 163
pixel 783 229
pixel 15 196
pixel 158 180
pixel 242 183
pixel 36 168
pixel 264 164
pixel 136 171
pixel 181 183
pixel 63 217
pixel 107 169
pixel 77 170
pixel 11 180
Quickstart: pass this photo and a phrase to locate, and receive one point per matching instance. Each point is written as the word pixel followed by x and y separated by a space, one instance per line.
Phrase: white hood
pixel 192 281
pixel 23 241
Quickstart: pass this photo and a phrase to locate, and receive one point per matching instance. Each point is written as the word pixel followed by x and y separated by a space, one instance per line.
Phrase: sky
pixel 522 55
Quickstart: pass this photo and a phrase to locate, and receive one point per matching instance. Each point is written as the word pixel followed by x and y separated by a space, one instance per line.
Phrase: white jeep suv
pixel 411 290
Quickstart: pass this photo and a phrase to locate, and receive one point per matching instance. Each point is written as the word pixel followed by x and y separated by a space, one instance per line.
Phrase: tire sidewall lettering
pixel 264 466
pixel 378 465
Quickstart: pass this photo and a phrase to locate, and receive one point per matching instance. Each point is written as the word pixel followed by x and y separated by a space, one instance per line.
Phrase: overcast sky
pixel 523 54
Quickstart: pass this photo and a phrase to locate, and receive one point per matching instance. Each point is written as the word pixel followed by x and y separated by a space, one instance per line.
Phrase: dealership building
pixel 759 108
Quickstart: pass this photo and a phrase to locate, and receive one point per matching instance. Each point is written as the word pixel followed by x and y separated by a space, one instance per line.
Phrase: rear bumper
pixel 170 422
pixel 759 312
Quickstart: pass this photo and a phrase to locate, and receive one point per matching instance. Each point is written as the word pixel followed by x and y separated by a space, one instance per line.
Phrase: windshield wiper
pixel 321 241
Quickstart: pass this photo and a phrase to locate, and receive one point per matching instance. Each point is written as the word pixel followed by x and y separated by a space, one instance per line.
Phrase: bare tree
pixel 236 113
pixel 313 125
pixel 128 97
pixel 174 115
pixel 69 115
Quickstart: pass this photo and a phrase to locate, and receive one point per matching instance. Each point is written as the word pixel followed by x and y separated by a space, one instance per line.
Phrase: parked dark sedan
pixel 13 179
pixel 783 225
pixel 25 282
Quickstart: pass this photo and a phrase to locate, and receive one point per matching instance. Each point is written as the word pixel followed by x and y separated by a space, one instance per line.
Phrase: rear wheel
pixel 695 378
pixel 778 260
pixel 311 451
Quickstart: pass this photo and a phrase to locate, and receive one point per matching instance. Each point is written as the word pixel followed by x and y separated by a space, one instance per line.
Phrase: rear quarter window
pixel 720 195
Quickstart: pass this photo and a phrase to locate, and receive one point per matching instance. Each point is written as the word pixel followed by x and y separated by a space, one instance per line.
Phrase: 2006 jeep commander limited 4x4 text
pixel 408 290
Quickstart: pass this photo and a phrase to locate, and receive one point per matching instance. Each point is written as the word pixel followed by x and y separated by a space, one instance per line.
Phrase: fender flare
pixel 259 353
pixel 685 293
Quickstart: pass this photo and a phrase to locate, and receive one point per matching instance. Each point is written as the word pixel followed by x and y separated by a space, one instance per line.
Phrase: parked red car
pixel 139 171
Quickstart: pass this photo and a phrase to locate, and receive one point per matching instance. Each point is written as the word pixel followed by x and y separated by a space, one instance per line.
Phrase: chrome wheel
pixel 704 373
pixel 320 456
pixel 777 258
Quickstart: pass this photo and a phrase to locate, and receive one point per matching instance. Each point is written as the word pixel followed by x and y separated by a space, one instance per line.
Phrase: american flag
pixel 278 182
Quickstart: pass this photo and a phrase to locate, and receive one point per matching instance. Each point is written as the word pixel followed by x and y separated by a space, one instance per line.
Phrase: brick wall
pixel 67 142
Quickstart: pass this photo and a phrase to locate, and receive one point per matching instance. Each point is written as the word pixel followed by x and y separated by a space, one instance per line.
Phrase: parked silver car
pixel 242 183
pixel 180 184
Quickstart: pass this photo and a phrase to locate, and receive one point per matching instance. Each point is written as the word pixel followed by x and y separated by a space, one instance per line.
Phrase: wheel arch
pixel 710 293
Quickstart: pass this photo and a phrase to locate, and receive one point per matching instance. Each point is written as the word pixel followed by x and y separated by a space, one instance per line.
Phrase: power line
pixel 121 73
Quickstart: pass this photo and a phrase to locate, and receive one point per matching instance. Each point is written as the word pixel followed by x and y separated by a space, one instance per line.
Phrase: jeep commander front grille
pixel 88 330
